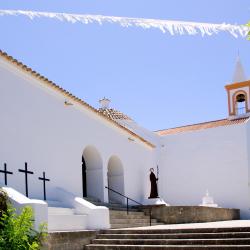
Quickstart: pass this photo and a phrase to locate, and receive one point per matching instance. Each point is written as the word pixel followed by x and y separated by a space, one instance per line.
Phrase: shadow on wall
pixel 92 173
pixel 115 179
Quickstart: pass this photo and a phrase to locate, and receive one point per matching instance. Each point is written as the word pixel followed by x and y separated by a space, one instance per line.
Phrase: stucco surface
pixel 213 159
pixel 38 128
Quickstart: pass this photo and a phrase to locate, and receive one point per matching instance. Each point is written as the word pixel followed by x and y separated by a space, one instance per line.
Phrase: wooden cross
pixel 44 185
pixel 5 173
pixel 26 177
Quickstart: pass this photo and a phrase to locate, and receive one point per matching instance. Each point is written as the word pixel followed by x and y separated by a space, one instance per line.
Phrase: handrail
pixel 127 198
pixel 124 196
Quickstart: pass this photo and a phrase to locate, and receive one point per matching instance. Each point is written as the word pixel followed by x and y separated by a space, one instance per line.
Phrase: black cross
pixel 5 173
pixel 26 177
pixel 44 184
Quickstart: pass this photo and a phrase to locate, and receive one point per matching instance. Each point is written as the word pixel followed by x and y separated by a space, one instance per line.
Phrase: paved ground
pixel 218 224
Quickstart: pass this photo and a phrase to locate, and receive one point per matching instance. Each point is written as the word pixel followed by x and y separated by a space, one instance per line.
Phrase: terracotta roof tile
pixel 114 114
pixel 200 126
pixel 51 84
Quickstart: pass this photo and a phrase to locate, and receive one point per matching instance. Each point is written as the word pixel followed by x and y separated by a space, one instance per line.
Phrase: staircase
pixel 174 239
pixel 119 218
pixel 63 218
pixel 110 205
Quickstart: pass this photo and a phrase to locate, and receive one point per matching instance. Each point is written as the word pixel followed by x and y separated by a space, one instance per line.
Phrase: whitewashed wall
pixel 36 127
pixel 214 159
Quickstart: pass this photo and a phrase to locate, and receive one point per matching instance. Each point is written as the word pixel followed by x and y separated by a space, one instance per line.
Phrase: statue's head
pixel 151 170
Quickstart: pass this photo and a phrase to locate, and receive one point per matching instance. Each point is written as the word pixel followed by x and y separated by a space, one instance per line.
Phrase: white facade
pixel 37 127
pixel 215 159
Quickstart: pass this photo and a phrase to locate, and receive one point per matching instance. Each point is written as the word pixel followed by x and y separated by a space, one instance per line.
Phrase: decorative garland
pixel 173 27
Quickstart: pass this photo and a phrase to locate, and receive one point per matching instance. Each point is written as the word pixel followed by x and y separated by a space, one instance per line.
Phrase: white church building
pixel 47 133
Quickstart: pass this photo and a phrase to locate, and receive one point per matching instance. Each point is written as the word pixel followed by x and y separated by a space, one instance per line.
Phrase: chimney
pixel 104 102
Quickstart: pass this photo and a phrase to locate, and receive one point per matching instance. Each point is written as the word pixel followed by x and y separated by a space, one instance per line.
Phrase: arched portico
pixel 92 173
pixel 115 179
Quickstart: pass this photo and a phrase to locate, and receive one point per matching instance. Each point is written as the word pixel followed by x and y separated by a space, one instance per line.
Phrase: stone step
pixel 122 209
pixel 122 219
pixel 176 236
pixel 128 216
pixel 183 242
pixel 177 231
pixel 116 226
pixel 183 238
pixel 108 204
pixel 161 247
pixel 114 206
pixel 66 222
pixel 60 211
pixel 132 221
pixel 121 213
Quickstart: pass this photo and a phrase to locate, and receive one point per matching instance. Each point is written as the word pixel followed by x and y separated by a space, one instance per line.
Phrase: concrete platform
pixel 191 214
pixel 217 224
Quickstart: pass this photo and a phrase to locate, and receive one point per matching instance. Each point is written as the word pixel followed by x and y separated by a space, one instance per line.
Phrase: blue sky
pixel 159 80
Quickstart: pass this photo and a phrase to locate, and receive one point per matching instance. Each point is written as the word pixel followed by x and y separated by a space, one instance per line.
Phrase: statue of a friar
pixel 153 180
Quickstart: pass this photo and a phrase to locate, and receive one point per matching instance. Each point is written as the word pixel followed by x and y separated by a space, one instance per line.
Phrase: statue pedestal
pixel 208 201
pixel 155 201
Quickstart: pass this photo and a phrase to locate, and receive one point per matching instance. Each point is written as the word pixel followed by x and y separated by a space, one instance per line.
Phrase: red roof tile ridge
pixel 188 125
pixel 204 123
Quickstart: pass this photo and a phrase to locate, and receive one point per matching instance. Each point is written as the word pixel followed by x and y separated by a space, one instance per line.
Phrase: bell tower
pixel 238 93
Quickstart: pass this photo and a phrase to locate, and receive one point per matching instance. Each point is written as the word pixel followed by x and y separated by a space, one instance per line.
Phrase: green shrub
pixel 17 230
pixel 3 202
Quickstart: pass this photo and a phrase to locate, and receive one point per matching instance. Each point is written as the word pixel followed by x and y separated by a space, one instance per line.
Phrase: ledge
pixel 192 214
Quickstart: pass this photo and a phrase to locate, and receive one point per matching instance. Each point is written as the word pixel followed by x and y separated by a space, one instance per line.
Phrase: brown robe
pixel 154 190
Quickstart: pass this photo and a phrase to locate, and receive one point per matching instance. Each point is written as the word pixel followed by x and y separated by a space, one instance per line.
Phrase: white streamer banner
pixel 170 26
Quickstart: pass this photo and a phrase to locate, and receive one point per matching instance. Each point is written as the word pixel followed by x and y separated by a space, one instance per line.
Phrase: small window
pixel 240 104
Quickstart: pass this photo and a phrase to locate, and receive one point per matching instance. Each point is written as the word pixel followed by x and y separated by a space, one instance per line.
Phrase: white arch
pixel 115 179
pixel 94 172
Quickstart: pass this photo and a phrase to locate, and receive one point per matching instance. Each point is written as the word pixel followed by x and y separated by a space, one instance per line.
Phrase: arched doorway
pixel 92 173
pixel 115 179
